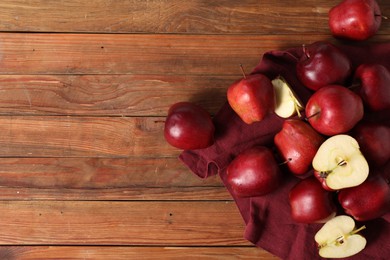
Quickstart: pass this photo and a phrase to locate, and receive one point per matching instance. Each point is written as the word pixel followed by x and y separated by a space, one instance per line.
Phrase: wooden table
pixel 85 172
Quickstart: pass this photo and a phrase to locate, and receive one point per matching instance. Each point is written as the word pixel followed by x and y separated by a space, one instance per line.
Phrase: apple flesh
pixel 339 163
pixel 368 201
pixel 254 172
pixel 287 102
pixel 355 19
pixel 334 109
pixel 310 203
pixel 188 126
pixel 298 142
pixel 322 64
pixel 374 142
pixel 373 81
pixel 338 238
pixel 252 97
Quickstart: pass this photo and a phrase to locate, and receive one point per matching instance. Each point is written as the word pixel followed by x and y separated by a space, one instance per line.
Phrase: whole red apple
pixel 188 126
pixel 355 19
pixel 254 172
pixel 298 142
pixel 252 97
pixel 321 64
pixel 374 86
pixel 311 203
pixel 334 109
pixel 374 141
pixel 369 200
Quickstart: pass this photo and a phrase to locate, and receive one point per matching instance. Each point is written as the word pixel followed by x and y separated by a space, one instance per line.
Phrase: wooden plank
pixel 145 54
pixel 136 54
pixel 83 137
pixel 109 95
pixel 104 179
pixel 133 252
pixel 173 16
pixel 121 223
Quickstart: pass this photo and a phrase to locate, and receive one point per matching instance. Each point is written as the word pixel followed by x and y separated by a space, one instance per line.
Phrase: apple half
pixel 287 103
pixel 338 238
pixel 339 163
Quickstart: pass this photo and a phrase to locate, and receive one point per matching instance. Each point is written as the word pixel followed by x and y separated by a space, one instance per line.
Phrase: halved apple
pixel 339 163
pixel 287 103
pixel 338 238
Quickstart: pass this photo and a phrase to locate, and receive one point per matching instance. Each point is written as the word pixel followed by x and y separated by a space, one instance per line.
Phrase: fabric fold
pixel 267 218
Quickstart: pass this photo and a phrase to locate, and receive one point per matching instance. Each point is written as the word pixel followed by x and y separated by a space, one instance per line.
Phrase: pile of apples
pixel 328 143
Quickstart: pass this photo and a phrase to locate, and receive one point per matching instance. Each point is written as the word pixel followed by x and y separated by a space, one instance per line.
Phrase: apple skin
pixel 368 201
pixel 322 181
pixel 334 109
pixel 254 172
pixel 188 126
pixel 374 140
pixel 310 203
pixel 355 19
pixel 323 64
pixel 298 142
pixel 252 97
pixel 373 81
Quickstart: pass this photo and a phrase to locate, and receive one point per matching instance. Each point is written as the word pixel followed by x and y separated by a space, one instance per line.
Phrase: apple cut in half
pixel 287 103
pixel 338 238
pixel 339 163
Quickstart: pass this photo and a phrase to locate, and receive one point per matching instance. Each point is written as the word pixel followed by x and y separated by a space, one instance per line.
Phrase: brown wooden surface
pixel 85 172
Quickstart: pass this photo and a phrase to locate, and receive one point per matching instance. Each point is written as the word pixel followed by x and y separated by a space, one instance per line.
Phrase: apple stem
pixel 305 51
pixel 313 115
pixel 286 161
pixel 242 71
pixel 358 230
pixel 341 239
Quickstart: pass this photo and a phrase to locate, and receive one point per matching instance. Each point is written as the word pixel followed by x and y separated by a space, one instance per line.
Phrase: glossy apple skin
pixel 374 142
pixel 334 109
pixel 368 201
pixel 252 98
pixel 323 64
pixel 298 142
pixel 188 126
pixel 374 81
pixel 355 19
pixel 254 172
pixel 310 203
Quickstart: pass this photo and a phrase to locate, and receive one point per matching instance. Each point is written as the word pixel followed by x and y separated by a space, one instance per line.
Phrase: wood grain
pixel 170 223
pixel 109 95
pixel 83 137
pixel 85 86
pixel 173 16
pixel 143 54
pixel 104 179
pixel 133 252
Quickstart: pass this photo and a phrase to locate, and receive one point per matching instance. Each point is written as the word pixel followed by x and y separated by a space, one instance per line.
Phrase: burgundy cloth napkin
pixel 267 218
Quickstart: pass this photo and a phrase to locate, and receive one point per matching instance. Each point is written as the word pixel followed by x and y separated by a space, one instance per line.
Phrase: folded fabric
pixel 267 218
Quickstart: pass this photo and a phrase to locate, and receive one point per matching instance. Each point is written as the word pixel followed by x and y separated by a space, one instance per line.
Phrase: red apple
pixel 334 110
pixel 374 141
pixel 298 142
pixel 322 64
pixel 355 19
pixel 369 200
pixel 188 126
pixel 374 82
pixel 310 203
pixel 339 163
pixel 254 172
pixel 252 97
